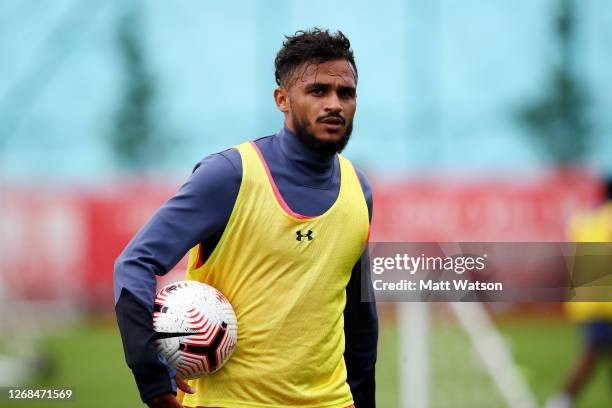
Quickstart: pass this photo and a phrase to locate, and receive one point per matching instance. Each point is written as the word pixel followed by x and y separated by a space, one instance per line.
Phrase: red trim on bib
pixel 199 260
pixel 277 193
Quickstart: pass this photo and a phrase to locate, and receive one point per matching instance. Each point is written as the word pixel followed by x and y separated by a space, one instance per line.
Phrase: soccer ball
pixel 196 328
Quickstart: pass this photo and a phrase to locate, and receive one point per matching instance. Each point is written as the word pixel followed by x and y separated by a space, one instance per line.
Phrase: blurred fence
pixel 61 243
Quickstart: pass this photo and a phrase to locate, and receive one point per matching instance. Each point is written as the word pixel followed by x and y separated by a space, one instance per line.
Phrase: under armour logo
pixel 300 235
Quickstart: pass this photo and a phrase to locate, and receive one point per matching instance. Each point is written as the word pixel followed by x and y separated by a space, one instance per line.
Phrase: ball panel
pixel 197 328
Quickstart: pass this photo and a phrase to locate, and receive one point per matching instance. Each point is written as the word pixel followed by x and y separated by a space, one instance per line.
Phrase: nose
pixel 332 103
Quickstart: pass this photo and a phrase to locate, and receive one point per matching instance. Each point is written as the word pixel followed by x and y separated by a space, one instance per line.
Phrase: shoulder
pixel 265 144
pixel 227 163
pixel 227 160
pixel 363 180
pixel 220 171
pixel 366 188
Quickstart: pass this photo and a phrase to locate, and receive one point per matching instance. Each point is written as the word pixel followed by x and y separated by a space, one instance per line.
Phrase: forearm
pixel 153 376
pixel 361 333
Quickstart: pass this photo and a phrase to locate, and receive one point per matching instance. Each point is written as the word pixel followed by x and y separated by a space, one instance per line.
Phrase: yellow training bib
pixel 285 275
pixel 594 227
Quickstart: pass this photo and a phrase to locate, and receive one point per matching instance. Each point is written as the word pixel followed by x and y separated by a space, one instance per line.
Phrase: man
pixel 594 318
pixel 278 225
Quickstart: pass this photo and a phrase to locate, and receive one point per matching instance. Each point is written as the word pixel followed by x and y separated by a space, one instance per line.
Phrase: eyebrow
pixel 321 85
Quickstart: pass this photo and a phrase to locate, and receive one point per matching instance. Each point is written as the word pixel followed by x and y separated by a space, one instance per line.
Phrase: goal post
pixel 464 360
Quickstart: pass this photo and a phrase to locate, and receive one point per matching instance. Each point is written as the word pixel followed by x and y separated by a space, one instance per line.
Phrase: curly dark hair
pixel 314 44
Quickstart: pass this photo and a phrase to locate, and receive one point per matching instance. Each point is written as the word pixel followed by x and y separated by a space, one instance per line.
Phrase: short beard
pixel 326 147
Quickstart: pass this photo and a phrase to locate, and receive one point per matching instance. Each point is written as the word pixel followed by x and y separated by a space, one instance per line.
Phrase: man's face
pixel 320 104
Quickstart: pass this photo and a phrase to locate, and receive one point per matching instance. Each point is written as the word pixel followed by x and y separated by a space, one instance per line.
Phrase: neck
pixel 297 151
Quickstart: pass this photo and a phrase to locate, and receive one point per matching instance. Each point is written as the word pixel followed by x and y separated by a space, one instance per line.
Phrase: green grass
pixel 546 352
pixel 543 350
pixel 89 359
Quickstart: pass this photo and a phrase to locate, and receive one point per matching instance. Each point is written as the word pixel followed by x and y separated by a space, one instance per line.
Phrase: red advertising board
pixel 62 243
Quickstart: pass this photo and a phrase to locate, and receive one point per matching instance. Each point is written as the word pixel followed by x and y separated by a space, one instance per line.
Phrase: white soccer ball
pixel 196 328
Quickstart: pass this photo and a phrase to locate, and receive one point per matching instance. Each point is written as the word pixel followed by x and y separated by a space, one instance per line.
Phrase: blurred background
pixel 477 121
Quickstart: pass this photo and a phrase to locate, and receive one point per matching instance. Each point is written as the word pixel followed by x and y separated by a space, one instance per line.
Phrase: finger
pixel 183 386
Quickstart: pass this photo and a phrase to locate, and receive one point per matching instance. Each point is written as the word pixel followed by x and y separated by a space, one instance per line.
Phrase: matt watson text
pixel 431 285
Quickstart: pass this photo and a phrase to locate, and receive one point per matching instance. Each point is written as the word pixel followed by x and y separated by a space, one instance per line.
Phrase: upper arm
pixel 200 207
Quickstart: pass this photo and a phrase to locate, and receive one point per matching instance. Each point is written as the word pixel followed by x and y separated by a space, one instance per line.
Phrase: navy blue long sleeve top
pixel 198 213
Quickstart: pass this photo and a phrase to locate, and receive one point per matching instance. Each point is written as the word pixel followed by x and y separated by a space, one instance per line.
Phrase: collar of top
pixel 296 151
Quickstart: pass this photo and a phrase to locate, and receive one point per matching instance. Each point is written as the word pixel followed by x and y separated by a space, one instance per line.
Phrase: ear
pixel 281 97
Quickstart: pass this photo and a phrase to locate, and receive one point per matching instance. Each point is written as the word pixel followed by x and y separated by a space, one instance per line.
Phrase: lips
pixel 332 122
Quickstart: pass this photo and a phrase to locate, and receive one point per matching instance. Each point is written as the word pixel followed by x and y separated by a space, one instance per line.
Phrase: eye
pixel 317 92
pixel 345 93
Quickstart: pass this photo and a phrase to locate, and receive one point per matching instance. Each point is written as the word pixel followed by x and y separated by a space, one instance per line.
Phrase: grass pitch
pixel 88 358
